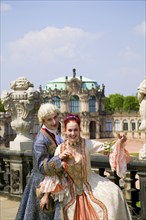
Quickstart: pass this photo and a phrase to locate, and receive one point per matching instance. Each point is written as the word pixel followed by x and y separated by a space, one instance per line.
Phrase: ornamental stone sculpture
pixel 141 95
pixel 21 102
pixel 142 100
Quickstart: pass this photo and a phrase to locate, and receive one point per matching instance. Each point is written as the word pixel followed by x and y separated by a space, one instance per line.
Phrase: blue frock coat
pixel 44 163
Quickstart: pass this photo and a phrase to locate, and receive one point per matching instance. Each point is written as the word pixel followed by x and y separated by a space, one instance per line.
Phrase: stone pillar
pixel 84 104
pixel 97 130
pixel 85 128
pixel 21 102
pixel 64 107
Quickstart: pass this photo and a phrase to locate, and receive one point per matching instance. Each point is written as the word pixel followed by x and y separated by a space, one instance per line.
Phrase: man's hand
pixel 44 201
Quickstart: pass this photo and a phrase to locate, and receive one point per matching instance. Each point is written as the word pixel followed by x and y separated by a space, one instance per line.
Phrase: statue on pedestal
pixel 21 102
pixel 141 95
pixel 142 100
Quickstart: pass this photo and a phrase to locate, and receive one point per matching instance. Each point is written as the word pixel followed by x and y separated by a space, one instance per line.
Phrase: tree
pixel 107 104
pixel 1 107
pixel 131 103
pixel 116 102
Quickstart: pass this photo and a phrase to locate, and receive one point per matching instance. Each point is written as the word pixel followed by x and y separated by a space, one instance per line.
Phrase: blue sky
pixel 104 40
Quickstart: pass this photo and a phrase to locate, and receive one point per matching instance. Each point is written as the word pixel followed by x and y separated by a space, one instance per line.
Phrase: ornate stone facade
pixel 81 96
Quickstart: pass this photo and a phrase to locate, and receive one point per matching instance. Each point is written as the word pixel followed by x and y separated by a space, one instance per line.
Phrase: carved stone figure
pixel 142 153
pixel 21 103
pixel 142 100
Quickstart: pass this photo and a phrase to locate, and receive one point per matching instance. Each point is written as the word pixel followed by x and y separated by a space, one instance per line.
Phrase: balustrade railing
pixel 15 169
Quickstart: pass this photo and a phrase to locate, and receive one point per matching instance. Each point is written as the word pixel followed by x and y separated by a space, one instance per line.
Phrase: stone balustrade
pixel 16 166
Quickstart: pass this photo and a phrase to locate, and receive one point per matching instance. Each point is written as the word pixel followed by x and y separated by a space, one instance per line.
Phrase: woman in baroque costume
pixel 85 195
pixel 44 163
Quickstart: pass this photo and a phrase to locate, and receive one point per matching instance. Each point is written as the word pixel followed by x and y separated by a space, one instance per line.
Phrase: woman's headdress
pixel 70 117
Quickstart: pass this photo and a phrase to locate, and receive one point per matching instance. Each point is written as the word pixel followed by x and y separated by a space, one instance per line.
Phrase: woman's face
pixel 72 131
pixel 52 121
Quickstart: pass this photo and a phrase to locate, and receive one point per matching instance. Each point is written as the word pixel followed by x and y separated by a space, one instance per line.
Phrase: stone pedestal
pixel 21 146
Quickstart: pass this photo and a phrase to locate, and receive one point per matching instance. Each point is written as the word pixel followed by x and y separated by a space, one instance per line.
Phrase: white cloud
pixel 50 43
pixel 141 28
pixel 5 7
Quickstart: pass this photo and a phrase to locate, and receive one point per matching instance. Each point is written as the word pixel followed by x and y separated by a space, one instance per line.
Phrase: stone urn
pixel 21 102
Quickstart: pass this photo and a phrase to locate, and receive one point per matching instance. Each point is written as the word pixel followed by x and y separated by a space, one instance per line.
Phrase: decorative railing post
pixel 17 175
pixel 127 189
pixel 142 180
pixel 1 176
pixel 134 193
pixel 7 176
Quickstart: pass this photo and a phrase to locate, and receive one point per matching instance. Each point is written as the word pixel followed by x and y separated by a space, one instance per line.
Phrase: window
pixel 117 125
pixel 132 125
pixel 46 100
pixel 56 101
pixel 125 125
pixel 108 126
pixel 92 104
pixel 74 104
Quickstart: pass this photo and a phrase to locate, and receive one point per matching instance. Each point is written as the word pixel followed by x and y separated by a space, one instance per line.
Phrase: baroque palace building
pixel 82 96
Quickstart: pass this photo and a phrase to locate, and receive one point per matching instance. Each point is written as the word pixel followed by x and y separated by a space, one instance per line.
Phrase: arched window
pixel 125 125
pixel 46 100
pixel 92 104
pixel 74 104
pixel 117 125
pixel 56 101
pixel 132 125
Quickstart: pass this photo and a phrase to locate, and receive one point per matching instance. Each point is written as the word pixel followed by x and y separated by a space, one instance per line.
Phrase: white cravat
pixel 58 137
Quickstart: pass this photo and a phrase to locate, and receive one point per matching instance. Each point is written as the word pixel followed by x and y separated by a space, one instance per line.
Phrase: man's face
pixel 52 121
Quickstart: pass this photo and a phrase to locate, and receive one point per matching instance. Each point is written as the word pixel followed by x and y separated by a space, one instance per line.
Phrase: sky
pixel 103 40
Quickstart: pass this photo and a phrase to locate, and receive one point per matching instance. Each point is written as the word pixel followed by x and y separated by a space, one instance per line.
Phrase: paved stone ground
pixel 8 208
pixel 133 146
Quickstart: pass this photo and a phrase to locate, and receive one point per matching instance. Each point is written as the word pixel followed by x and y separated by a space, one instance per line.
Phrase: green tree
pixel 131 103
pixel 1 107
pixel 107 104
pixel 116 102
